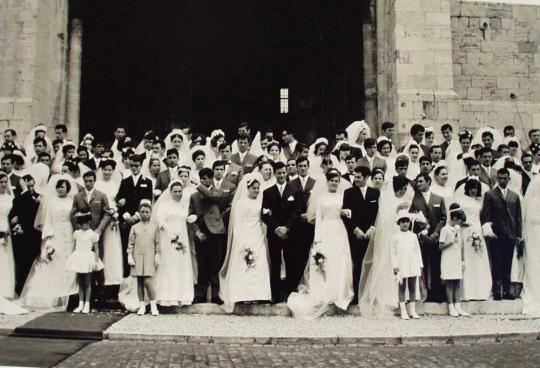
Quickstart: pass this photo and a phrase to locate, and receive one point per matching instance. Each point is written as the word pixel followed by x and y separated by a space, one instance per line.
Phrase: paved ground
pixel 215 328
pixel 143 354
pixel 9 323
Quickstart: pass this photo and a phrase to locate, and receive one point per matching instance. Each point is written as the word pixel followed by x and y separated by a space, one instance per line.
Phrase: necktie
pixel 280 187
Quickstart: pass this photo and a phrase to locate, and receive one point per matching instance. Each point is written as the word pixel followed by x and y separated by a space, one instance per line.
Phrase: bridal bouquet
pixel 249 258
pixel 476 242
pixel 115 223
pixel 18 230
pixel 47 254
pixel 320 263
pixel 178 245
pixel 3 238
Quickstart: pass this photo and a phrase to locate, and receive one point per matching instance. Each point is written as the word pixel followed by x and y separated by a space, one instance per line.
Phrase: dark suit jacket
pixel 364 210
pixel 92 163
pixel 378 163
pixel 287 151
pixel 303 194
pixel 25 208
pixel 15 182
pixel 504 214
pixel 525 181
pixel 133 194
pixel 163 180
pixel 434 211
pixel 97 205
pixel 284 208
pixel 247 164
pixel 348 177
pixel 210 206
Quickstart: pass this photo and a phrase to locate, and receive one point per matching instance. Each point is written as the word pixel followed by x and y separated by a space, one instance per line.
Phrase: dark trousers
pixel 26 248
pixel 502 254
pixel 124 236
pixel 280 290
pixel 210 257
pixel 358 251
pixel 431 257
pixel 301 242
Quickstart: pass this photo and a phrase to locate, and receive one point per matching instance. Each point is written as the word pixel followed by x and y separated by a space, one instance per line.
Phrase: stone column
pixel 74 79
pixel 415 63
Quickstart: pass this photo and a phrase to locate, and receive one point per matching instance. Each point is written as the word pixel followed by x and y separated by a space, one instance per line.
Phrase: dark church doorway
pixel 212 64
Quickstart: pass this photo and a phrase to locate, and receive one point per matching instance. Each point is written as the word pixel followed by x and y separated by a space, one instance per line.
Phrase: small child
pixel 451 245
pixel 144 256
pixel 407 263
pixel 84 260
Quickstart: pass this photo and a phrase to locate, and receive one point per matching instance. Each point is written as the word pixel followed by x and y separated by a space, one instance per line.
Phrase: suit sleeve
pixel 74 210
pixel 349 224
pixel 295 214
pixel 213 195
pixel 194 210
pixel 267 218
pixel 485 213
pixel 519 223
pixel 106 217
pixel 442 221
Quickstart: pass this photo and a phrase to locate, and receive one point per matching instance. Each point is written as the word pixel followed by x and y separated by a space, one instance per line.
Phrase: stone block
pixel 507 23
pixel 483 82
pixel 474 22
pixel 521 93
pixel 474 93
pixel 495 23
pixel 524 12
pixel 6 110
pixel 22 110
pixel 486 58
pixel 473 9
pixel 499 46
pixel 407 5
pixel 499 10
pixel 508 82
pixel 410 69
pixel 495 94
pixel 430 5
pixel 530 83
pixel 456 69
pixel 455 8
pixel 527 47
pixel 437 18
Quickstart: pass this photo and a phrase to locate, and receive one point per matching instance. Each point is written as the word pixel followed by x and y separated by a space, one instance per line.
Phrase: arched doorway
pixel 154 65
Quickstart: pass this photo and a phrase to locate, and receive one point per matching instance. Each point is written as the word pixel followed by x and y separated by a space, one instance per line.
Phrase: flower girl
pixel 144 256
pixel 406 263
pixel 451 245
pixel 84 260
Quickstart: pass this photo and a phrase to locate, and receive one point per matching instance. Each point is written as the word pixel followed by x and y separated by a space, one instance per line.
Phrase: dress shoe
pixel 217 300
pixel 497 297
pixel 508 296
pixel 199 300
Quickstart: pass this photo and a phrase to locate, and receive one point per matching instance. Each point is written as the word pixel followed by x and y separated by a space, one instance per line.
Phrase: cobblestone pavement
pixel 136 354
pixel 327 327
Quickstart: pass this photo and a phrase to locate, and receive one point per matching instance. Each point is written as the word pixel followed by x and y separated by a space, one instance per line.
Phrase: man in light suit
pixel 243 157
pixel 371 161
pixel 433 208
pixel 164 178
pixel 132 190
pixel 487 174
pixel 289 144
pixel 501 223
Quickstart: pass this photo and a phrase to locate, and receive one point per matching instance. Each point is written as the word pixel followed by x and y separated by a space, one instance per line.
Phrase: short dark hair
pixel 484 150
pixel 12 131
pixel 363 170
pixel 71 166
pixel 109 162
pixel 206 172
pixel 244 137
pixel 432 148
pixel 342 131
pixel 40 140
pixel 197 153
pixel 89 174
pixel 218 163
pixel 273 144
pixel 387 125
pixel 172 151
pixel 279 165
pixel 417 128
pixel 471 184
pixel 244 124
pixel 43 154
pixel 456 213
pixel 369 142
pixel 503 171
pixel 382 143
pixel 399 182
pixel 425 159
pixel 331 174
pixel 57 141
pixel 533 131
pixel 28 178
pixel 425 176
pixel 67 147
pixel 401 161
pixel 470 162
pixel 438 170
pixel 61 182
pixel 222 146
pixel 487 134
pixel 525 155
pixel 507 128
pixel 7 157
pixel 301 159
pixel 137 158
pixel 446 127
pixel 61 127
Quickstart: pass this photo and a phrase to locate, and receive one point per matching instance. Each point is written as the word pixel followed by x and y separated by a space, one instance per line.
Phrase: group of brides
pixel 245 276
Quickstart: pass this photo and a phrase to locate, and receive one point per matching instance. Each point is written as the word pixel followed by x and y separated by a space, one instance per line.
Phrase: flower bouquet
pixel 320 263
pixel 476 242
pixel 3 238
pixel 249 258
pixel 178 244
pixel 115 222
pixel 47 254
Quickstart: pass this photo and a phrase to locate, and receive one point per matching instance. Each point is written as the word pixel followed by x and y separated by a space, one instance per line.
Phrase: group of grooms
pixel 110 184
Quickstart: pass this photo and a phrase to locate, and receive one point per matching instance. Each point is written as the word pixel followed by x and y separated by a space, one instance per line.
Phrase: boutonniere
pixel 233 173
pixel 191 219
pixel 266 211
pixel 290 199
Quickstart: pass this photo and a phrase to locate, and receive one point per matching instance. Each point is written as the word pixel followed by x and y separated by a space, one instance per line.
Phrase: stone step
pixel 484 307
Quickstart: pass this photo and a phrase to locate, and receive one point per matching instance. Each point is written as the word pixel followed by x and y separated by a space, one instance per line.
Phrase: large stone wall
pixel 496 54
pixel 33 39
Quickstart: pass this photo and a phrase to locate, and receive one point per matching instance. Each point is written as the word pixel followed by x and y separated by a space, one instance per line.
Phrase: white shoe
pixel 403 310
pixel 412 310
pixel 86 308
pixel 452 311
pixel 79 308
pixel 142 309
pixel 153 308
pixel 460 311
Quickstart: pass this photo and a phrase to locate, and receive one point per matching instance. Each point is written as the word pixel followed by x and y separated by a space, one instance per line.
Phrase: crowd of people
pixel 351 220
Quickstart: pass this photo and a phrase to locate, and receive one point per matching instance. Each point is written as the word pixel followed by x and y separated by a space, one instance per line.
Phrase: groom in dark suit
pixel 302 232
pixel 363 203
pixel 132 190
pixel 433 208
pixel 501 223
pixel 279 213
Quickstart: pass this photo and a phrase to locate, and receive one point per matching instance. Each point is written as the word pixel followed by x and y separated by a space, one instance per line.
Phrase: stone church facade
pixel 469 63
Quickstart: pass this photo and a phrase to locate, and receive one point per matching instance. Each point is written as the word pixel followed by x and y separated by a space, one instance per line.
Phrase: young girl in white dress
pixel 451 245
pixel 407 263
pixel 84 260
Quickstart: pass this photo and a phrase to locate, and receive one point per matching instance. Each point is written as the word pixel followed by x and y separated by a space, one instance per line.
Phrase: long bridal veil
pixel 531 256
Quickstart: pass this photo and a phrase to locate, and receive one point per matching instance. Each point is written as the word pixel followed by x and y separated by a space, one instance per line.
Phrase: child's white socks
pixel 460 311
pixel 153 308
pixel 403 310
pixel 142 309
pixel 79 308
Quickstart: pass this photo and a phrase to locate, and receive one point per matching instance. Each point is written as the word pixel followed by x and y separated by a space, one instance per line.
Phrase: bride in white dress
pixel 108 182
pixel 531 254
pixel 174 281
pixel 378 288
pixel 245 274
pixel 476 282
pixel 49 283
pixel 328 275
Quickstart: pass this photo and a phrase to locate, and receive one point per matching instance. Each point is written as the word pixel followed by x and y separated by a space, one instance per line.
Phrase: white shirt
pixel 242 156
pixel 173 172
pixel 293 177
pixel 217 183
pixel 292 146
pixel 281 188
pixel 504 192
pixel 135 179
pixel 89 193
pixel 363 190
pixel 427 195
pixel 370 160
pixel 303 181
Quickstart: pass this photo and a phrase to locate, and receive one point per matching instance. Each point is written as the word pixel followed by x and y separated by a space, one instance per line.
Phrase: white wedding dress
pixel 531 256
pixel 245 274
pixel 378 288
pixel 7 262
pixel 328 275
pixel 174 281
pixel 476 282
pixel 112 243
pixel 49 283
